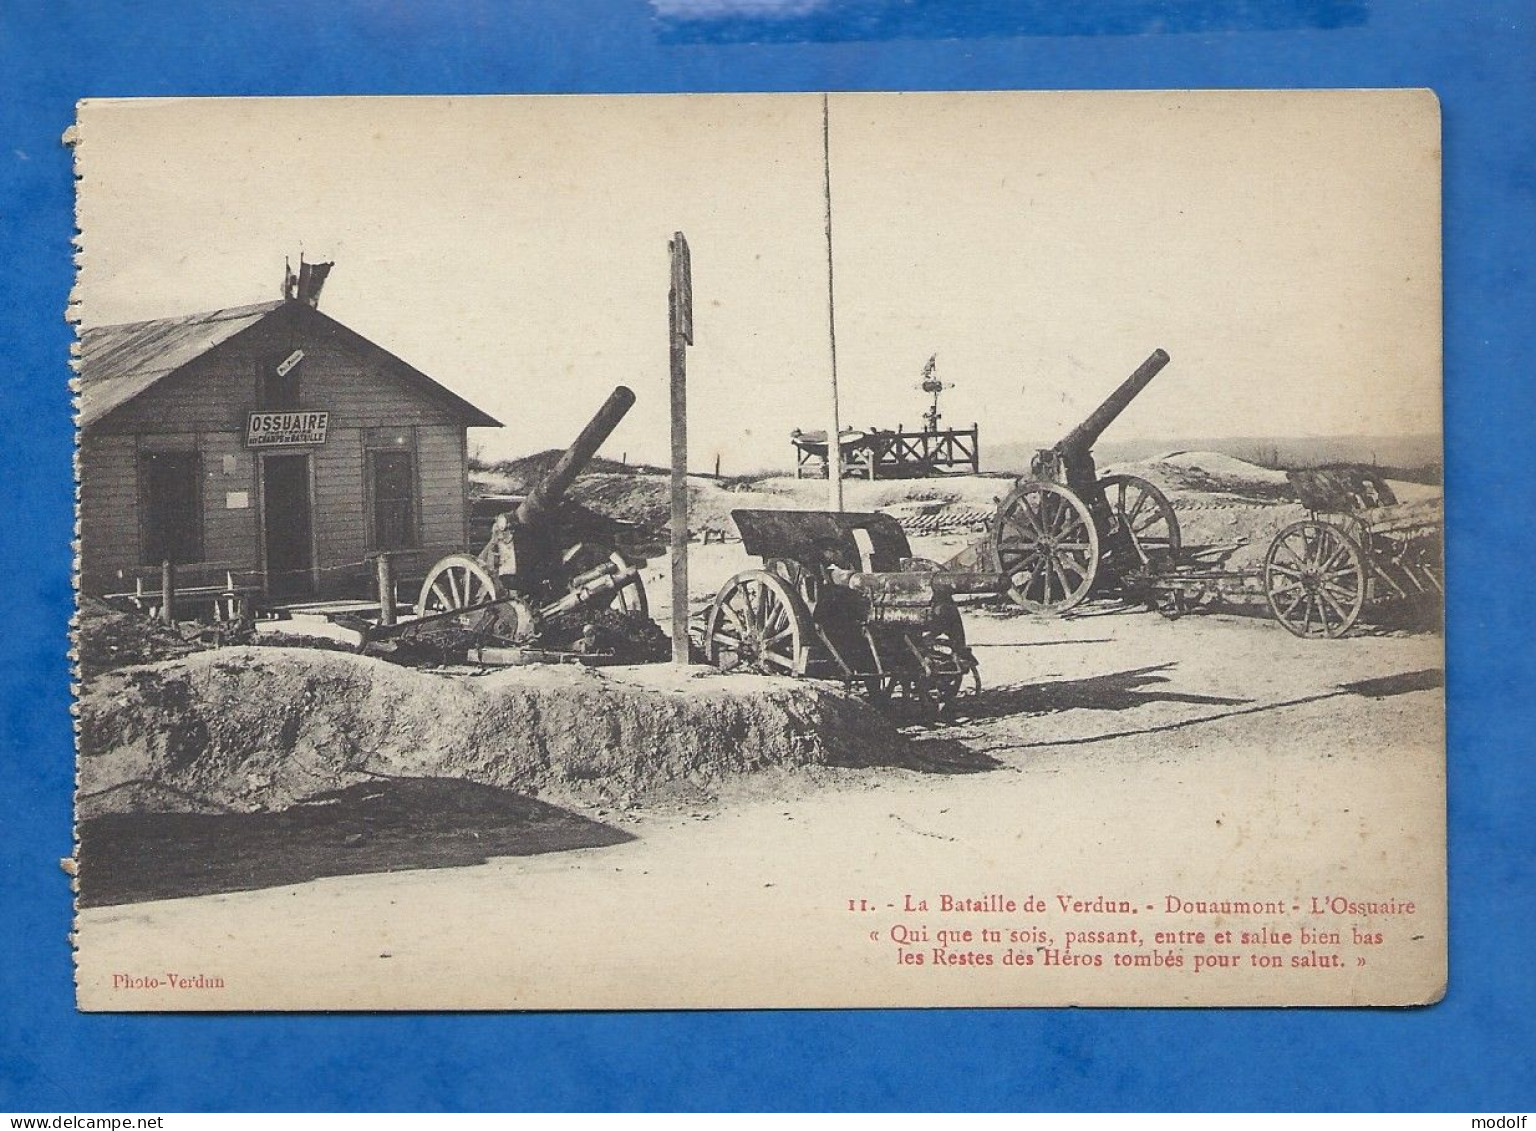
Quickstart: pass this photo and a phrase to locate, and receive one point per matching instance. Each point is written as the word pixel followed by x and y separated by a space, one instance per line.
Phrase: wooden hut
pixel 267 442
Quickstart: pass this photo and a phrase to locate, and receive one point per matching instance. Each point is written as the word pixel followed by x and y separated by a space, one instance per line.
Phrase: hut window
pixel 170 487
pixel 392 477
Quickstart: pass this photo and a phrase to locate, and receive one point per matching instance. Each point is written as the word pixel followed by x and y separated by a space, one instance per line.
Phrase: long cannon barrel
pixel 551 489
pixel 1086 434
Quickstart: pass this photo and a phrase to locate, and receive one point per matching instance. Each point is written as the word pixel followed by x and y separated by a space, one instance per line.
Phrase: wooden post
pixel 834 431
pixel 385 566
pixel 680 325
pixel 167 592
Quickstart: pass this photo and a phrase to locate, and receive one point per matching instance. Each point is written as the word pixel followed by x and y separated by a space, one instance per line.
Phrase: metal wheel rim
pixel 457 582
pixel 1139 506
pixel 1314 580
pixel 1045 542
pixel 757 623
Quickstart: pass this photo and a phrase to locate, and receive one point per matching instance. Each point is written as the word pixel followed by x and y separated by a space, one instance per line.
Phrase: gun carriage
pixel 1065 532
pixel 1358 547
pixel 1360 551
pixel 840 596
pixel 536 571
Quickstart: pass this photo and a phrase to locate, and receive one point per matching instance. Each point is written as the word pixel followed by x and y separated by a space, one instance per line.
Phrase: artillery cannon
pixel 533 571
pixel 1065 531
pixel 1359 551
pixel 1358 546
pixel 840 597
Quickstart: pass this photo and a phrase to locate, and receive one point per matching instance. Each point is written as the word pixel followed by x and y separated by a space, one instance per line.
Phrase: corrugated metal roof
pixel 117 363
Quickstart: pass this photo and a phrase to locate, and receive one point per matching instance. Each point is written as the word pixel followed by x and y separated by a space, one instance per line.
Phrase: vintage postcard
pixel 476 611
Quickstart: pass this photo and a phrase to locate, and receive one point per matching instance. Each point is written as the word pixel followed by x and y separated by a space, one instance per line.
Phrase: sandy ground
pixel 1112 754
pixel 1117 768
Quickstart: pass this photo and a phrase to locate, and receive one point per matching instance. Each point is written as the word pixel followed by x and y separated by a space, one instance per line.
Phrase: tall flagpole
pixel 834 431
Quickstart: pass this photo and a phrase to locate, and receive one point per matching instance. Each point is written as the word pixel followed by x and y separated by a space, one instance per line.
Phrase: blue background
pixel 1473 1051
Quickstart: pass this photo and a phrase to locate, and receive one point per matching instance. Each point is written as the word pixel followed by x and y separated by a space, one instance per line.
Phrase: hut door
pixel 285 525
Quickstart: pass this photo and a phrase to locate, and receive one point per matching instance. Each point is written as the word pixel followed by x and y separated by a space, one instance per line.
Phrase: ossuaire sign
pixel 275 429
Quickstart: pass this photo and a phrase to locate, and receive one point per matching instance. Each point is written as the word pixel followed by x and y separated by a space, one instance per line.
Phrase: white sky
pixel 1282 247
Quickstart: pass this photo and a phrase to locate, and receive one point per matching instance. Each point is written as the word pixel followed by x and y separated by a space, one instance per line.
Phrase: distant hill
pixel 1286 452
pixel 1422 456
pixel 522 473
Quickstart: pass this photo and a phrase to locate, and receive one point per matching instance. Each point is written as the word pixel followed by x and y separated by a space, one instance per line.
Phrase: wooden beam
pixel 680 312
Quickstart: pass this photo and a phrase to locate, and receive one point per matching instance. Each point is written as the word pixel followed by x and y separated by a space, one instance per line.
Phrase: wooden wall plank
pixel 109 516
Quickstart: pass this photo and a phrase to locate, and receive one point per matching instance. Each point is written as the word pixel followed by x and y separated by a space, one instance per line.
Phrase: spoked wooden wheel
pixel 758 624
pixel 457 582
pixel 1046 545
pixel 1146 515
pixel 579 557
pixel 1314 578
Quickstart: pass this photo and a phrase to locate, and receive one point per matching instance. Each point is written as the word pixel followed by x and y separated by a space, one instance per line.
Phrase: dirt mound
pixel 1225 468
pixel 107 639
pixel 1408 492
pixel 520 475
pixel 1212 473
pixel 247 729
pixel 869 495
pixel 643 499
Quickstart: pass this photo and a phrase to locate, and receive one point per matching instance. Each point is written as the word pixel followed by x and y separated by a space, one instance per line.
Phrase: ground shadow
pixel 1116 691
pixel 1102 607
pixel 1039 643
pixel 1400 684
pixel 1411 618
pixel 1387 619
pixel 926 754
pixel 389 825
